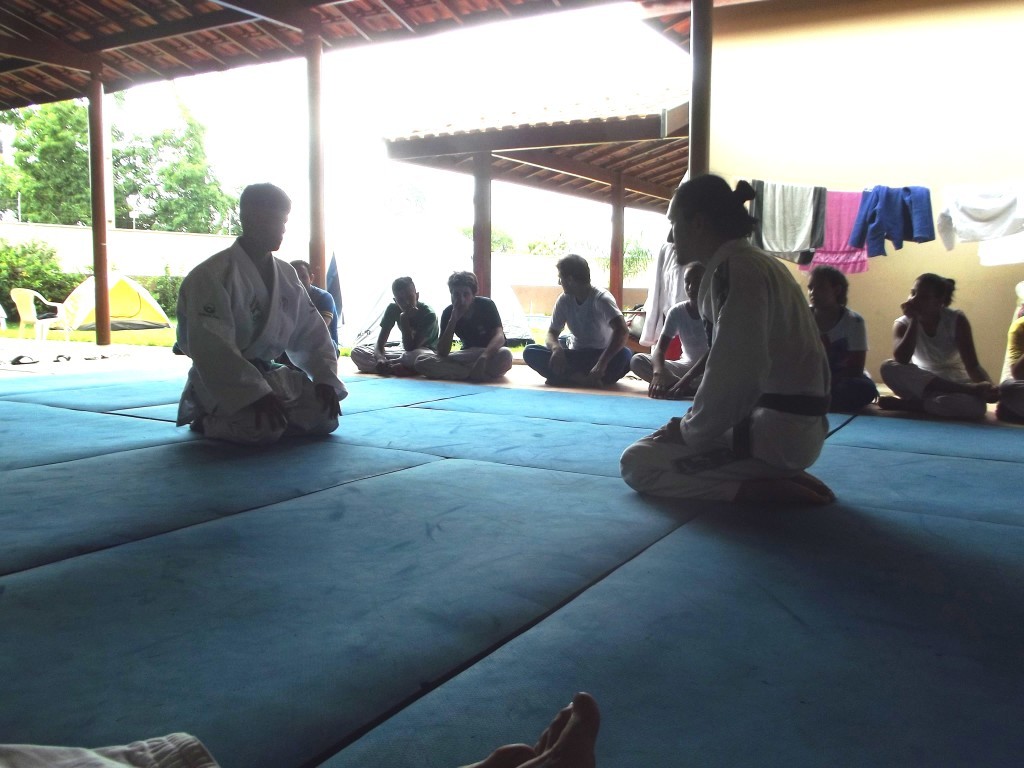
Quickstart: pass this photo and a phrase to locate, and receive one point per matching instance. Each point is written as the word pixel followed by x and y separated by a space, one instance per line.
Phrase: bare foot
pixel 802 489
pixel 568 742
pixel 986 391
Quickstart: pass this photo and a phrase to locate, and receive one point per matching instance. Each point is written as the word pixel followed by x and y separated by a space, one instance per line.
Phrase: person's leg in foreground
pixel 568 742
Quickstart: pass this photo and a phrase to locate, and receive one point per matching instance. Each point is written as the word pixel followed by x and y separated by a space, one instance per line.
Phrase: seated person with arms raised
pixel 598 355
pixel 759 417
pixel 475 320
pixel 418 325
pixel 935 367
pixel 1011 390
pixel 322 300
pixel 240 310
pixel 677 379
pixel 845 338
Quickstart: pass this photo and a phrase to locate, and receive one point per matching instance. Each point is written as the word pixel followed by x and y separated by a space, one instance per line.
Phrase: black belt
pixel 801 405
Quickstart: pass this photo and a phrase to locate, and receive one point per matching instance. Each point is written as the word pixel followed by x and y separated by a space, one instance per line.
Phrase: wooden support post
pixel 618 238
pixel 97 177
pixel 317 237
pixel 482 221
pixel 700 88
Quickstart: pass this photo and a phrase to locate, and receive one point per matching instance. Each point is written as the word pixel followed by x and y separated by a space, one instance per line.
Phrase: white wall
pixel 130 252
pixel 851 95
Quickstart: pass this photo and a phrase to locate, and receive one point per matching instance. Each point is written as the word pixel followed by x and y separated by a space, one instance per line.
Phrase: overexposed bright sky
pixel 256 120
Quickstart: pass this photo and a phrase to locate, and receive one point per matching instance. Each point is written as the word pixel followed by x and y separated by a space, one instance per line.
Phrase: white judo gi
pixel 234 327
pixel 765 344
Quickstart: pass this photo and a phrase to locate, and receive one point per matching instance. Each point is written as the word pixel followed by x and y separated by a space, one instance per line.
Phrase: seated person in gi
pixel 845 338
pixel 418 325
pixel 322 300
pixel 759 417
pixel 677 379
pixel 237 312
pixel 475 320
pixel 598 354
pixel 1011 390
pixel 936 368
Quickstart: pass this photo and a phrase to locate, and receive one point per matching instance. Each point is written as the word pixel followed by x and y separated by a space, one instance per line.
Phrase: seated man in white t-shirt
pixel 678 379
pixel 596 354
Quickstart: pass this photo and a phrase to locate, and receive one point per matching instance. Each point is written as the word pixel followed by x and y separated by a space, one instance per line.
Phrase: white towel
pixel 787 216
pixel 975 213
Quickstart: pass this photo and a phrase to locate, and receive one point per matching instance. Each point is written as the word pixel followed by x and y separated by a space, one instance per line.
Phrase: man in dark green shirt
pixel 418 325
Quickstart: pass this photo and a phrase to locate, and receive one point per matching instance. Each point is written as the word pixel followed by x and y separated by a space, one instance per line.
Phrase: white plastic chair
pixel 25 301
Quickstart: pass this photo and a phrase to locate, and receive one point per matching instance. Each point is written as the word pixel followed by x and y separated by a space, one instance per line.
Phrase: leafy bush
pixel 32 265
pixel 164 289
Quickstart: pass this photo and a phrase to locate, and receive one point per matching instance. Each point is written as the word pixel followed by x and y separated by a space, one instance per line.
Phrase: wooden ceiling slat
pixel 401 17
pixel 271 10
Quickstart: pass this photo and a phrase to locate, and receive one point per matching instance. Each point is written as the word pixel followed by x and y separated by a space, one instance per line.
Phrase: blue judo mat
pixel 443 572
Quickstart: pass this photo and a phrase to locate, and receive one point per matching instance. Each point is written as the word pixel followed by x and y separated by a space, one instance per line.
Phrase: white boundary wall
pixel 130 252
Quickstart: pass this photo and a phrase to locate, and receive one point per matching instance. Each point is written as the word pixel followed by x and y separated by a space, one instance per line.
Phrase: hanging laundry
pixel 790 218
pixel 975 213
pixel 896 214
pixel 840 214
pixel 1002 250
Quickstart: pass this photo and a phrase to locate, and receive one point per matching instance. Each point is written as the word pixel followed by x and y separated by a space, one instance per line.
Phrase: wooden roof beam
pixel 165 30
pixel 529 137
pixel 405 22
pixel 42 47
pixel 269 10
pixel 571 167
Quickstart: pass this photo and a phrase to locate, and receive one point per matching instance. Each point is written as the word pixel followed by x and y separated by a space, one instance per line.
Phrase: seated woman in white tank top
pixel 935 367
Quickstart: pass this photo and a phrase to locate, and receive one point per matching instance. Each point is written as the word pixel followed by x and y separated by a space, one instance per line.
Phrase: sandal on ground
pixel 23 360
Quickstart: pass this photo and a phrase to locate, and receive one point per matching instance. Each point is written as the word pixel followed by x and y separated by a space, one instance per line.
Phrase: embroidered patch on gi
pixel 256 312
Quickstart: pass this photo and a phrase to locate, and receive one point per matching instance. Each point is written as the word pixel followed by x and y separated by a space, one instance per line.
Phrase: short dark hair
pixel 694 265
pixel 575 266
pixel 712 197
pixel 263 196
pixel 402 282
pixel 463 280
pixel 836 279
pixel 300 263
pixel 942 287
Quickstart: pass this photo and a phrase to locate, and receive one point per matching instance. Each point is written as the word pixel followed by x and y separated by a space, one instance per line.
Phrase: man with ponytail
pixel 758 418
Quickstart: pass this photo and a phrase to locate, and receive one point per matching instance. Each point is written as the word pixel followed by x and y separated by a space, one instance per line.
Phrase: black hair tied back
pixel 743 192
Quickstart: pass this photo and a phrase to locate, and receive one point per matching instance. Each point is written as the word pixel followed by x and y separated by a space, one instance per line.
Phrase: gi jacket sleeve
pixel 207 333
pixel 739 360
pixel 311 348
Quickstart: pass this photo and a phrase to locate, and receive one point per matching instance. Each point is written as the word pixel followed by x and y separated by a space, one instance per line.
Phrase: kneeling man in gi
pixel 238 311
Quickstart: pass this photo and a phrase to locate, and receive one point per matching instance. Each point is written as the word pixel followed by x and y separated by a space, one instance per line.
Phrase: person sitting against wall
pixel 677 379
pixel 845 338
pixel 596 354
pixel 759 417
pixel 1011 388
pixel 477 323
pixel 935 367
pixel 418 325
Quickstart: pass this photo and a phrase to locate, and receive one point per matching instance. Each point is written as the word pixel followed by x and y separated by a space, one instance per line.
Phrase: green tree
pixel 32 265
pixel 635 258
pixel 557 247
pixel 501 241
pixel 168 181
pixel 51 163
pixel 167 178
